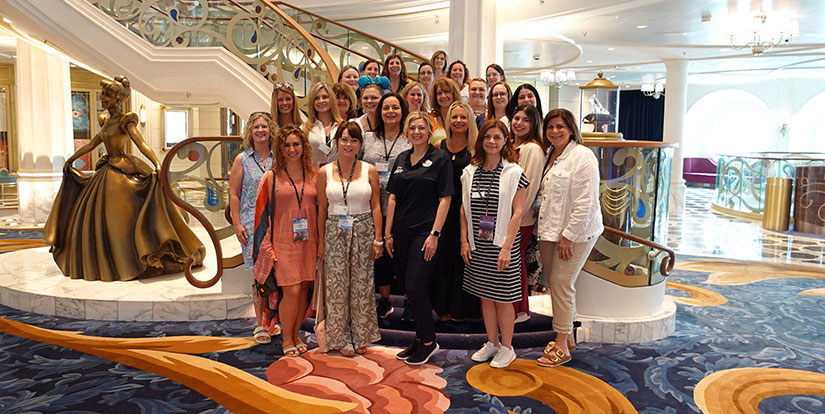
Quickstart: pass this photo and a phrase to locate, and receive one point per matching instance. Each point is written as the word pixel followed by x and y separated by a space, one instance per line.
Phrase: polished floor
pixel 701 232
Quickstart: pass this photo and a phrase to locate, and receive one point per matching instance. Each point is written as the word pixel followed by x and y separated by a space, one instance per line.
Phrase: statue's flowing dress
pixel 118 224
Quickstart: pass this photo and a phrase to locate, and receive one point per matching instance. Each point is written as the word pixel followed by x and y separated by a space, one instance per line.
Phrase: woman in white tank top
pixel 350 239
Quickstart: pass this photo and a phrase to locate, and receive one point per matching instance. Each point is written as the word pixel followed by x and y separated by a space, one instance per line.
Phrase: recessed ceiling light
pixel 641 26
pixel 611 48
pixel 589 61
pixel 6 19
pixel 638 67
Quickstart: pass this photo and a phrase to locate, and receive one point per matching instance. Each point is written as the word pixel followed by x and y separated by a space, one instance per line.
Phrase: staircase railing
pixel 352 46
pixel 629 260
pixel 260 34
pixel 195 176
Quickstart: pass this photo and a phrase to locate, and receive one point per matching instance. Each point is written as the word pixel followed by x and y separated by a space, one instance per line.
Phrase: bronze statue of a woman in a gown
pixel 118 224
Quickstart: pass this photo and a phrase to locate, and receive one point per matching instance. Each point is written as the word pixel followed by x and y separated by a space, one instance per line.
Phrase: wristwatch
pixel 435 233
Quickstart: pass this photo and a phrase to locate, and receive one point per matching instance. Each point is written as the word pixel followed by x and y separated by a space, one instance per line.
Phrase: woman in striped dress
pixel 493 193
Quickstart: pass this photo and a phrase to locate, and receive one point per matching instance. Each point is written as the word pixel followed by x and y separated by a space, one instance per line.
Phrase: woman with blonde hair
pixel 445 92
pixel 415 94
pixel 288 192
pixel 420 189
pixel 284 108
pixel 322 122
pixel 450 301
pixel 493 199
pixel 439 62
pixel 247 169
pixel 569 224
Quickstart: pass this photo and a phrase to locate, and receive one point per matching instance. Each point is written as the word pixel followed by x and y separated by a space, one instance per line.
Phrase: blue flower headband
pixel 381 81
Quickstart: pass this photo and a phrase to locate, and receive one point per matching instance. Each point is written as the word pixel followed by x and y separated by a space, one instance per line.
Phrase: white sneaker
pixel 486 352
pixel 522 317
pixel 504 357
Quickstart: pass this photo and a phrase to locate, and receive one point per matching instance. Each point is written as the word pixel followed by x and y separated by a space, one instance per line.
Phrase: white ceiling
pixel 675 30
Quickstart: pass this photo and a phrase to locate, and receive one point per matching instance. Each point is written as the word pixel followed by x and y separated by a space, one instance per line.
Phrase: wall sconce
pixel 142 114
pixel 652 87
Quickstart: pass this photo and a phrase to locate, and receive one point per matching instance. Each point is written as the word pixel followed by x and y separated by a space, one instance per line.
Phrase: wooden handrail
pixel 667 262
pixel 405 50
pixel 325 57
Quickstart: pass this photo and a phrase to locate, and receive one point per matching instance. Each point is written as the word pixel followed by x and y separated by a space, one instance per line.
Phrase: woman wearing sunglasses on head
pixel 322 123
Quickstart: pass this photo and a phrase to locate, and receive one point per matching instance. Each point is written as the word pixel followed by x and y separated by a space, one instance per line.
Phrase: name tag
pixel 300 229
pixel 382 166
pixel 477 194
pixel 323 147
pixel 486 227
pixel 345 224
pixel 339 209
pixel 537 202
pixel 383 178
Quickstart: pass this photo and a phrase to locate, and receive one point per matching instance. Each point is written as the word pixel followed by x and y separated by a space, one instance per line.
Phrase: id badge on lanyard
pixel 383 173
pixel 486 227
pixel 345 224
pixel 300 229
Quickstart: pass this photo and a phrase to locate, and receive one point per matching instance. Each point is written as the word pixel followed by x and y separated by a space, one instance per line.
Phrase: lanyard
pixel 384 141
pixel 260 167
pixel 295 187
pixel 369 124
pixel 345 189
pixel 489 187
pixel 546 163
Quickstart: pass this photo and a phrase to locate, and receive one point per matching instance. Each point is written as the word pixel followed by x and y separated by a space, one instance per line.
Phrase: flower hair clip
pixel 381 81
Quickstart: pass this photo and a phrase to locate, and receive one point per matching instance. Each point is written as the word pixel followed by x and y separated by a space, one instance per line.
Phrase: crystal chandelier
pixel 761 33
pixel 652 87
pixel 558 78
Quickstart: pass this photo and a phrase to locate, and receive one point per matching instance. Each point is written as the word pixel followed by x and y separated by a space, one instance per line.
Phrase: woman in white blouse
pixel 322 123
pixel 569 223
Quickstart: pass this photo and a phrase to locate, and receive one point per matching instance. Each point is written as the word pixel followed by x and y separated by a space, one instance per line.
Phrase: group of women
pixel 437 183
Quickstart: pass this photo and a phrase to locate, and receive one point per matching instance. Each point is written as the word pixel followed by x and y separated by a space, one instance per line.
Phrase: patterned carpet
pixel 749 338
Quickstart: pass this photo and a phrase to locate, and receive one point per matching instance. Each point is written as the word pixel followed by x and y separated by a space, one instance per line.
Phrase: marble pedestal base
pixel 31 281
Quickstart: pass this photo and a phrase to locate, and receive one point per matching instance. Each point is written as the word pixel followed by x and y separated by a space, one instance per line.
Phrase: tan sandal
pixel 553 357
pixel 289 349
pixel 347 351
pixel 302 347
pixel 361 351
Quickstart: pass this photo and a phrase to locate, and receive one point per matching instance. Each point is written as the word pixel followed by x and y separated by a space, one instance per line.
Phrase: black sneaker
pixel 384 308
pixel 408 314
pixel 422 354
pixel 408 351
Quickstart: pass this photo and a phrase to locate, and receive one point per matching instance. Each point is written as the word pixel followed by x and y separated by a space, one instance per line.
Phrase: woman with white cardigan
pixel 493 194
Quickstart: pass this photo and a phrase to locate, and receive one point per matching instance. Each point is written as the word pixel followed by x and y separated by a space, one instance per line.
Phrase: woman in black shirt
pixel 420 188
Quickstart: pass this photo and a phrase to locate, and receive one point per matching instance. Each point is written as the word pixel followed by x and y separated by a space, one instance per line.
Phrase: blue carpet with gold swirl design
pixel 749 338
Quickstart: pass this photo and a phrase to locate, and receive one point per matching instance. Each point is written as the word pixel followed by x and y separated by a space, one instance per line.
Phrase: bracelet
pixel 387 236
pixel 377 243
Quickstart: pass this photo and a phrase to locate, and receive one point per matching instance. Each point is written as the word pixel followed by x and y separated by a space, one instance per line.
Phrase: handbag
pixel 270 285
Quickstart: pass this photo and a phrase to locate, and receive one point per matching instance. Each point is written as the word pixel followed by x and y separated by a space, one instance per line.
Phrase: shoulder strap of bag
pixel 272 211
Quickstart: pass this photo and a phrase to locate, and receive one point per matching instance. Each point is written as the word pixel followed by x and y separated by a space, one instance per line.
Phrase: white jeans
pixel 561 276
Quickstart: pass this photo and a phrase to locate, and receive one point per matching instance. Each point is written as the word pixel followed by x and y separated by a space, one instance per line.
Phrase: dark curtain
pixel 641 117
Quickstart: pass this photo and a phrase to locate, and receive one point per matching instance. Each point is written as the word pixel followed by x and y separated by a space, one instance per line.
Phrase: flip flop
pixel 261 336
pixel 554 358
pixel 361 351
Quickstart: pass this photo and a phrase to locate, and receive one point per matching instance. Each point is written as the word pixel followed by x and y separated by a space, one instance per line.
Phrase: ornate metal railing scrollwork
pixel 189 171
pixel 259 33
pixel 629 266
pixel 348 40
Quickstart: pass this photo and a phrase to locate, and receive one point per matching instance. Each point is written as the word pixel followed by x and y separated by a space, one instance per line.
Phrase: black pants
pixel 416 274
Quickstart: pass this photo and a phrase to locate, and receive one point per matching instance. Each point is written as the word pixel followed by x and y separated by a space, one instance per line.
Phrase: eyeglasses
pixel 283 85
pixel 499 94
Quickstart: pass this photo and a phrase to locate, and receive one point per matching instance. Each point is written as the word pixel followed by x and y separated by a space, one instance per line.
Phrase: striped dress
pixel 481 277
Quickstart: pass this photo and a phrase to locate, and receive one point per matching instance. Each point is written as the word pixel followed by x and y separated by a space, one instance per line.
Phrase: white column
pixel 675 109
pixel 474 35
pixel 44 119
